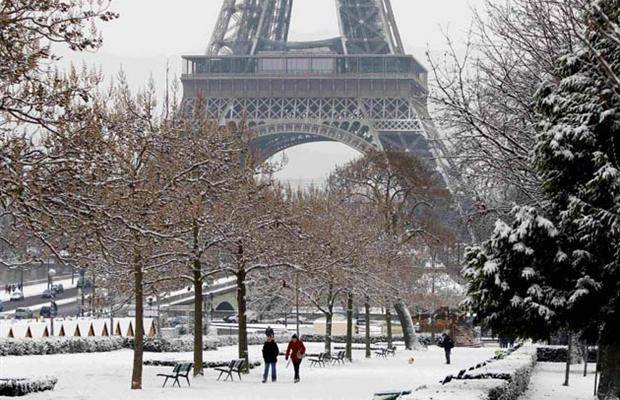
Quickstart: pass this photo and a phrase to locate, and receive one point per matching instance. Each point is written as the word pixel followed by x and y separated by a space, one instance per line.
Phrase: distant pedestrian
pixel 448 344
pixel 270 356
pixel 269 332
pixel 296 351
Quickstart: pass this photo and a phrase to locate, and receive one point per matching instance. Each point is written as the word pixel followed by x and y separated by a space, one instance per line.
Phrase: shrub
pixel 356 339
pixel 22 387
pixel 557 354
pixel 515 370
pixel 206 364
pixel 69 345
pixel 24 347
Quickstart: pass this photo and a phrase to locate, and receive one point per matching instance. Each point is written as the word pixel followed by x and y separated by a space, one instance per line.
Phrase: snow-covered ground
pixel 106 376
pixel 547 383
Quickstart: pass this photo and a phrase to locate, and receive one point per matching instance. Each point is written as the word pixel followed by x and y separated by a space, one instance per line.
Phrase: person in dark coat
pixel 296 351
pixel 269 332
pixel 448 344
pixel 270 356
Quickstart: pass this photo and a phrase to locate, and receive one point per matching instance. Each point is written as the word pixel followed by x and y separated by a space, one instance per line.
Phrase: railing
pixel 285 64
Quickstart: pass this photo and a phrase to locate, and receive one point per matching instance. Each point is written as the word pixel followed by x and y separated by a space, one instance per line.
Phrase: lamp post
pixel 50 275
pixel 49 285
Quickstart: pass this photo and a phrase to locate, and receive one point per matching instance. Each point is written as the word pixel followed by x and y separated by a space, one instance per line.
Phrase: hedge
pixel 357 339
pixel 22 387
pixel 72 345
pixel 557 354
pixel 26 347
pixel 515 370
pixel 205 364
pixel 500 378
pixel 360 339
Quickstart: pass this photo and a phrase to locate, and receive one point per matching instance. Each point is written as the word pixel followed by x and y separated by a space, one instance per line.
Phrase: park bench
pixel 382 352
pixel 339 358
pixel 391 351
pixel 235 366
pixel 391 395
pixel 318 359
pixel 180 370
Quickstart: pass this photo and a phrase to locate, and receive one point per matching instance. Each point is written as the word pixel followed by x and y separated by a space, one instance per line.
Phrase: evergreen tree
pixel 542 274
pixel 519 280
pixel 578 156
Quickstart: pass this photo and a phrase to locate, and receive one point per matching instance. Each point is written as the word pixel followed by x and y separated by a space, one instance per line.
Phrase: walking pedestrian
pixel 448 344
pixel 270 356
pixel 296 351
pixel 269 332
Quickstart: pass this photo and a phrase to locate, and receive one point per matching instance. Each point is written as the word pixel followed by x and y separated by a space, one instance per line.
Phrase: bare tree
pixel 255 228
pixel 484 98
pixel 409 200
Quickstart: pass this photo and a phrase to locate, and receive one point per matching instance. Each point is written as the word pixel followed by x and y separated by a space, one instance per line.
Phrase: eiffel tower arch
pixel 360 88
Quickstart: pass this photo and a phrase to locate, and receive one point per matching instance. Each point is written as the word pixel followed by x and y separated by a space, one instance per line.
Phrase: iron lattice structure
pixel 360 89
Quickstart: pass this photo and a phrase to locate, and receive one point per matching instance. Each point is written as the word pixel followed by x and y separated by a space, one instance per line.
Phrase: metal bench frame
pixel 318 360
pixel 233 366
pixel 181 370
pixel 395 395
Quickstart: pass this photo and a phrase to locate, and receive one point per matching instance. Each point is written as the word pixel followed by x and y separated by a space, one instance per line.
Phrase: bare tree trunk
pixel 243 326
pixel 388 325
pixel 407 324
pixel 93 297
pixel 329 317
pixel 609 385
pixel 198 341
pixel 569 359
pixel 585 358
pixel 367 316
pixel 136 375
pixel 596 367
pixel 349 345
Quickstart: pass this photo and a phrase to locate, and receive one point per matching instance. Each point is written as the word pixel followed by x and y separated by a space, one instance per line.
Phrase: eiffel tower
pixel 360 88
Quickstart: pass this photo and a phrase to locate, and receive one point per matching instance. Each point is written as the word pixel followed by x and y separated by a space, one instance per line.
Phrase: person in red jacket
pixel 296 350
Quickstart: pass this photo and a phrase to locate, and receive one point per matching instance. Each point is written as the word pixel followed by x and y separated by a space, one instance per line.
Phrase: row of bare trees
pixel 152 201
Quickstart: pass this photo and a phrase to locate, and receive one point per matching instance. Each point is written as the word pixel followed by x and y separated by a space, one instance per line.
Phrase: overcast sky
pixel 150 32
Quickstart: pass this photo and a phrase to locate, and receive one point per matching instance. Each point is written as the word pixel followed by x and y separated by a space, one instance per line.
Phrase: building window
pixel 272 65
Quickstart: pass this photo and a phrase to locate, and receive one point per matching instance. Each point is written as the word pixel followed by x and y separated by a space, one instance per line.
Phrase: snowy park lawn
pixel 106 376
pixel 547 382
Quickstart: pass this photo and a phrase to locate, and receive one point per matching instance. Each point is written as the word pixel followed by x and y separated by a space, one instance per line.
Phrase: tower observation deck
pixel 359 89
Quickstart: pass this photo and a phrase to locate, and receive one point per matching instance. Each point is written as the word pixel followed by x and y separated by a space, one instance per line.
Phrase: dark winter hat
pixel 295 336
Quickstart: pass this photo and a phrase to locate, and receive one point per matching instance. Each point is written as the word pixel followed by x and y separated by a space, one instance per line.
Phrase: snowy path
pixel 547 383
pixel 106 376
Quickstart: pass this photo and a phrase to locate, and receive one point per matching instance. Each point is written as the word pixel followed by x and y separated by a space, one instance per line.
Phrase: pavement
pixel 33 300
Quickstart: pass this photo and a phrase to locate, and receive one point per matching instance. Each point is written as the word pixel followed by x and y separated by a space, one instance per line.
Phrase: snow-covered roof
pixel 86 327
pixel 38 330
pixel 70 328
pixel 19 330
pixel 124 327
pixel 101 327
